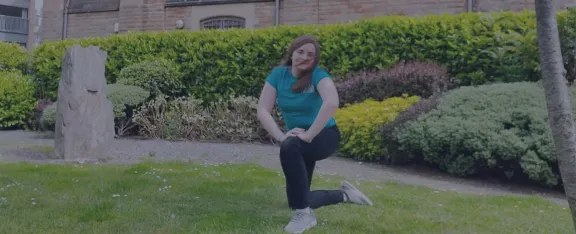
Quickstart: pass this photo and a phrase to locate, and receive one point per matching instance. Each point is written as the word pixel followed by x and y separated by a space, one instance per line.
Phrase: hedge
pixel 496 130
pixel 14 57
pixel 16 99
pixel 476 48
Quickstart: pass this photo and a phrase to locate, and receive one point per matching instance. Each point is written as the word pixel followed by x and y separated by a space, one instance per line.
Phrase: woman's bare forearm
pixel 269 124
pixel 324 115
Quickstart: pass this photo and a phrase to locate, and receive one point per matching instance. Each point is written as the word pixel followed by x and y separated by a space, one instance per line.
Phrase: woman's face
pixel 303 57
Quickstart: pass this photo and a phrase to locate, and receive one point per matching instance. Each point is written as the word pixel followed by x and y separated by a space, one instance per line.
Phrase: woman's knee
pixel 289 145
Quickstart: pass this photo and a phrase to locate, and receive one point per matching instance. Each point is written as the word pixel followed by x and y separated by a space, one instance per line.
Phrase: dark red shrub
pixel 413 78
pixel 41 104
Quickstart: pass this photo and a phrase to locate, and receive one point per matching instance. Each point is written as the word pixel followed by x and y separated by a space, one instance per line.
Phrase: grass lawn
pixel 180 197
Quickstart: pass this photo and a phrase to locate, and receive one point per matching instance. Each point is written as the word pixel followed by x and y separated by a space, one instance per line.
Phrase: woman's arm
pixel 264 113
pixel 330 104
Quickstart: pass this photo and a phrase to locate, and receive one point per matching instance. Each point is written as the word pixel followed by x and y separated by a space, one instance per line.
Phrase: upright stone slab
pixel 85 119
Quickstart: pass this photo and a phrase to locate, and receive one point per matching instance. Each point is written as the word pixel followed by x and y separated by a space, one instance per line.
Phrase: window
pixel 13 11
pixel 223 22
pixel 78 6
pixel 209 2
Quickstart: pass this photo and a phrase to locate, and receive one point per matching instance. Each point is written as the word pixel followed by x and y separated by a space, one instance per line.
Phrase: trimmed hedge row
pixel 475 48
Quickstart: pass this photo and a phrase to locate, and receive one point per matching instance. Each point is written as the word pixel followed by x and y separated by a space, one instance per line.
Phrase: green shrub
pixel 217 64
pixel 359 124
pixel 232 120
pixel 48 118
pixel 13 57
pixel 387 131
pixel 125 99
pixel 17 101
pixel 159 76
pixel 500 130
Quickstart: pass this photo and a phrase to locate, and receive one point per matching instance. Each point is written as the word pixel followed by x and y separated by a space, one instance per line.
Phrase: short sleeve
pixel 274 76
pixel 318 75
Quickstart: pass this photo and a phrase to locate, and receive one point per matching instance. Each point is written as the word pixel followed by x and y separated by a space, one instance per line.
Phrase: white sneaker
pixel 354 195
pixel 301 221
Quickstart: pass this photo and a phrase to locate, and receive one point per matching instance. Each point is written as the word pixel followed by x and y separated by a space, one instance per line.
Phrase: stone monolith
pixel 84 118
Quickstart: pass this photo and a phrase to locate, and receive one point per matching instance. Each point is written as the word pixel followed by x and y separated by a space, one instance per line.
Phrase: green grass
pixel 181 197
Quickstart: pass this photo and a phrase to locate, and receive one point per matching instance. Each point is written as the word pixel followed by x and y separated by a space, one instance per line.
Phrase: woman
pixel 307 99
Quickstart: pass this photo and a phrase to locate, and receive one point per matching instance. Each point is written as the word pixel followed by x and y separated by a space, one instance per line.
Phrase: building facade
pixel 58 19
pixel 14 21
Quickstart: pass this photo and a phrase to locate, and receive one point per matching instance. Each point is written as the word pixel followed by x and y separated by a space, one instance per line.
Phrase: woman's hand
pixel 292 132
pixel 305 136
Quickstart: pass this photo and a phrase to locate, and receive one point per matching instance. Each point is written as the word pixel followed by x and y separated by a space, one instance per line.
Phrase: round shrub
pixel 360 123
pixel 125 99
pixel 388 130
pixel 48 118
pixel 159 76
pixel 497 130
pixel 17 101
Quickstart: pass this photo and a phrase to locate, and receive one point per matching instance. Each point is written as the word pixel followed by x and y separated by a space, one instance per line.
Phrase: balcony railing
pixel 12 24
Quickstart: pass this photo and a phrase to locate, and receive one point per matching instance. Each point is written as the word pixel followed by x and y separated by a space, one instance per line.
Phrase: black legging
pixel 298 159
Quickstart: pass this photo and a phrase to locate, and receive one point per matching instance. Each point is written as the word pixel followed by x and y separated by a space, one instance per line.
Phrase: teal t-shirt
pixel 299 110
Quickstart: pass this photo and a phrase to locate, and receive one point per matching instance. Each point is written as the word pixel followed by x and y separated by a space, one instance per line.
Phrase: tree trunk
pixel 557 98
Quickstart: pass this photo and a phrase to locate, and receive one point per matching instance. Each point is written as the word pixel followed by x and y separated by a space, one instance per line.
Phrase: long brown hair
pixel 305 77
